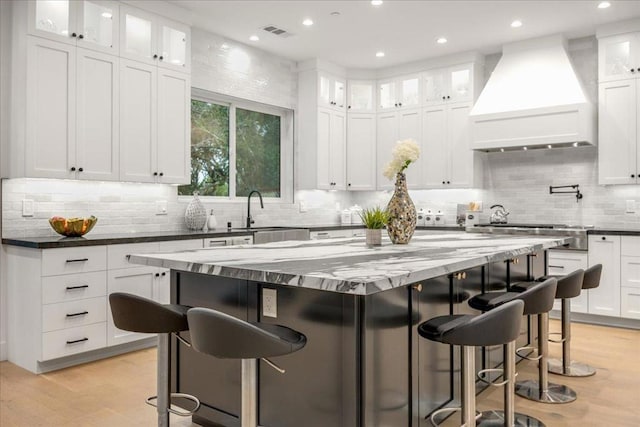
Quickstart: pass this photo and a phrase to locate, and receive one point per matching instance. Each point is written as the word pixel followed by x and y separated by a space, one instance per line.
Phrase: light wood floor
pixel 111 392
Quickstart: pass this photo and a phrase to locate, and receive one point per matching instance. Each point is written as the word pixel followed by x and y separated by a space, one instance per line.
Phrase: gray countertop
pixel 347 265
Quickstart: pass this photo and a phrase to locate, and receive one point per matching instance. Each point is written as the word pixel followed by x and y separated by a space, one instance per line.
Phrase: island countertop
pixel 347 265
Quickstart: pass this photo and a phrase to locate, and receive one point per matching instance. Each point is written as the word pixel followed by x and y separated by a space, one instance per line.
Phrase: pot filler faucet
pixel 249 220
pixel 499 216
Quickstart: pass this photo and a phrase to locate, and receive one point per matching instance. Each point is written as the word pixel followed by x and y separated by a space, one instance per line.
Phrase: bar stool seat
pixel 496 327
pixel 226 337
pixel 137 314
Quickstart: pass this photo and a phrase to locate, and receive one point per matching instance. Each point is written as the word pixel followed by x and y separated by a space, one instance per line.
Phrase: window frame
pixel 286 146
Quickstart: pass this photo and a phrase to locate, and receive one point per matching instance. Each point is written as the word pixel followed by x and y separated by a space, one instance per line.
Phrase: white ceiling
pixel 405 30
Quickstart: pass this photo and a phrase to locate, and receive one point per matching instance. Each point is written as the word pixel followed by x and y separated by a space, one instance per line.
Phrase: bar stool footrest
pixel 493 383
pixel 560 341
pixel 575 369
pixel 195 400
pixel 496 418
pixel 434 414
pixel 528 348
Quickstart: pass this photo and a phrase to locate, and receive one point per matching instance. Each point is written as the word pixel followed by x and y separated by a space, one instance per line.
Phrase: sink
pixel 261 228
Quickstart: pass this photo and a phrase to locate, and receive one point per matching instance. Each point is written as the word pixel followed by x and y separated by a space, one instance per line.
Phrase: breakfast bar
pixel 359 307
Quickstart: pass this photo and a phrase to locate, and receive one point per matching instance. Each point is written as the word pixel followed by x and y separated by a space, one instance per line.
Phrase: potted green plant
pixel 374 219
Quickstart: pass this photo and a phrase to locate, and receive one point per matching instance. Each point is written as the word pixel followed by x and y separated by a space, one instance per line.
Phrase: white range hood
pixel 533 99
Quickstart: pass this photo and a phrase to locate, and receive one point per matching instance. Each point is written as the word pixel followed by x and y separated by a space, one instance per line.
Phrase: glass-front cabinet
pixel 332 91
pixel 452 84
pixel 619 57
pixel 361 96
pixel 149 38
pixel 401 92
pixel 91 24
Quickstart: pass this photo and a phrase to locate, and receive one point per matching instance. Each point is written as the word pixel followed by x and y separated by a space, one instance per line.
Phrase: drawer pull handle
pixel 73 288
pixel 214 243
pixel 556 266
pixel 78 260
pixel 81 313
pixel 77 341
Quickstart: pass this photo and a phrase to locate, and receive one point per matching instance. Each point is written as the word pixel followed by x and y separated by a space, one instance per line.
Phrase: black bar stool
pixel 137 314
pixel 226 337
pixel 537 300
pixel 566 366
pixel 500 326
pixel 542 390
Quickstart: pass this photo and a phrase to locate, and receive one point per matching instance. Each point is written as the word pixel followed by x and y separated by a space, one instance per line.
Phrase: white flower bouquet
pixel 404 153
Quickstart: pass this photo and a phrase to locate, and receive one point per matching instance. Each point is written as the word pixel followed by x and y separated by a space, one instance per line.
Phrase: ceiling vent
pixel 276 31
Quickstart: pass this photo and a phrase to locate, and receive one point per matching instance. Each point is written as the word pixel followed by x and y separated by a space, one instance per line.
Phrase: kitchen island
pixel 364 364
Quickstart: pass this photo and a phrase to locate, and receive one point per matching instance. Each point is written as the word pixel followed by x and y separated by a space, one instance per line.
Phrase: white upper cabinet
pixel 619 57
pixel 361 96
pixel 392 127
pixel 331 167
pixel 152 39
pixel 331 91
pixel 361 151
pixel 91 24
pixel 400 92
pixel 452 84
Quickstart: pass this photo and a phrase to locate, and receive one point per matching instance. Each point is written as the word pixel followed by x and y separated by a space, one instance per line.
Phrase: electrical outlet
pixel 303 207
pixel 631 206
pixel 161 207
pixel 269 302
pixel 27 207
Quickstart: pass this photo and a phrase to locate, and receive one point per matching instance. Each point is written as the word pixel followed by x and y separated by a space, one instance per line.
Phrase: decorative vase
pixel 402 213
pixel 196 215
pixel 374 236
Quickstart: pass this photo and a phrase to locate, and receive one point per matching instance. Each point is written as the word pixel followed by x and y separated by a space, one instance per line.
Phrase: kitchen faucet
pixel 249 220
pixel 499 216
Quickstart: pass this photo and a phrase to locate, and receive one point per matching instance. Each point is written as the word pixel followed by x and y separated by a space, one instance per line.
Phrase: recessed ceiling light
pixel 376 2
pixel 441 40
pixel 335 14
pixel 516 24
pixel 254 38
pixel 604 5
pixel 106 15
pixel 308 22
pixel 380 54
pixel 224 46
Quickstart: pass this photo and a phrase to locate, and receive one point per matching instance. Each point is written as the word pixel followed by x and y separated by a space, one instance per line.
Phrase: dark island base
pixel 364 364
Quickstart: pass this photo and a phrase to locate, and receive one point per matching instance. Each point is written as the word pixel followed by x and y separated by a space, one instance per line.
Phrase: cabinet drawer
pixel 73 260
pixel 70 341
pixel 630 246
pixel 71 314
pixel 561 263
pixel 217 242
pixel 117 254
pixel 630 273
pixel 630 302
pixel 180 245
pixel 73 287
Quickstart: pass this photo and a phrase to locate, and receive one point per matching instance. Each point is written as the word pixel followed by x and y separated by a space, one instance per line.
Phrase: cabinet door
pixel 387 96
pixel 138 121
pixel 175 45
pixel 174 127
pixel 162 286
pixel 361 152
pixel 52 19
pixel 339 92
pixel 324 90
pixel 387 132
pixel 630 303
pixel 605 299
pixel 98 103
pixel 138 35
pixel 616 57
pixel 324 150
pixel 617 133
pixel 410 127
pixel 434 83
pixel 409 88
pixel 97 24
pixel 460 83
pixel 434 155
pixel 337 150
pixel 138 281
pixel 360 97
pixel 51 114
pixel 564 262
pixel 461 167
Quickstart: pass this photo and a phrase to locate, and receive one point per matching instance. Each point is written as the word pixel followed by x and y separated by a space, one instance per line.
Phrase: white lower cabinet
pixel 565 262
pixel 605 299
pixel 630 277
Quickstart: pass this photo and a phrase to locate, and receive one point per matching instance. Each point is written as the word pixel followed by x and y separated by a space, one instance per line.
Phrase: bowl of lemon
pixel 72 227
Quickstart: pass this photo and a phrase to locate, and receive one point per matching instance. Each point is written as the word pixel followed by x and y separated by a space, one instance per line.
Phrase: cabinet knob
pixel 80 170
pixel 448 182
pixel 633 176
pixel 74 35
pixel 604 238
pixel 73 168
pixel 349 185
pixel 633 70
pixel 164 273
pixel 444 97
pixel 448 97
pixel 395 105
pixel 161 173
pixel 155 174
pixel 161 58
pixel 443 182
pixel 399 104
pixel 349 107
pixel 157 274
pixel 80 36
pixel 155 56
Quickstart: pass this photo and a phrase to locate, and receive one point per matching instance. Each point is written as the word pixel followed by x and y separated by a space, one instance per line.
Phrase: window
pixel 238 146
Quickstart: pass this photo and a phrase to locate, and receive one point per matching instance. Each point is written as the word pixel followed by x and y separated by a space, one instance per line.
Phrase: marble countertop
pixel 347 265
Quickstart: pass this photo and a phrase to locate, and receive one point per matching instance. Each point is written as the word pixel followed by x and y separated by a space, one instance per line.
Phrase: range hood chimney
pixel 533 99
